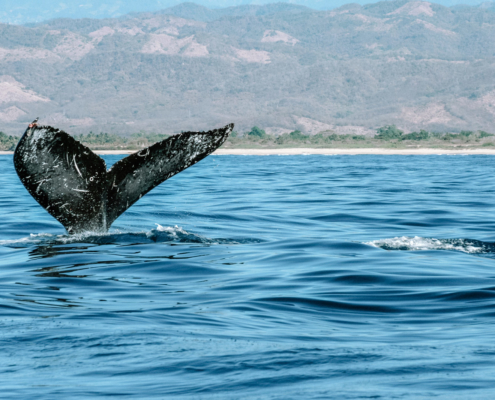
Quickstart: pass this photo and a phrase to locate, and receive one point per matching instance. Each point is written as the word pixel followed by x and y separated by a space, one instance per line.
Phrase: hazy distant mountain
pixel 282 67
pixel 34 11
pixel 201 13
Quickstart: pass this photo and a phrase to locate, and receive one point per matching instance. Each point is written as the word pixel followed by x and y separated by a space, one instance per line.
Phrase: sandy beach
pixel 306 151
pixel 377 151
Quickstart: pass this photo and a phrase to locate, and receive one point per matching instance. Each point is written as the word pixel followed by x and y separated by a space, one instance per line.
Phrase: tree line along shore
pixel 387 137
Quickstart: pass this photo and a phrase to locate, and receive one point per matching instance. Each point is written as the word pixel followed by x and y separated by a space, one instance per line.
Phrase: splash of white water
pixel 419 243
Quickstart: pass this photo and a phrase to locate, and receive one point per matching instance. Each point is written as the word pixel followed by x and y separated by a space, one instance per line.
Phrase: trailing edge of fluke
pixel 72 183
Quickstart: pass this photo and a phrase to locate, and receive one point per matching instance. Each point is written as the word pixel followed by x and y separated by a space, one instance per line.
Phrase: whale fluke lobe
pixel 134 176
pixel 72 183
pixel 64 176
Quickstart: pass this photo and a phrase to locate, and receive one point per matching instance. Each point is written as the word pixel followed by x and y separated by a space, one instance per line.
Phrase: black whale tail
pixel 73 185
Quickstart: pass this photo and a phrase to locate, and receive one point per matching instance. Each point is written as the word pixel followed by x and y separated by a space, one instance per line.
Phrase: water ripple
pixel 288 277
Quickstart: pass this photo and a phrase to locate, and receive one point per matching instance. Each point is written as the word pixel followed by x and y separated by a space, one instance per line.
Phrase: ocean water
pixel 248 277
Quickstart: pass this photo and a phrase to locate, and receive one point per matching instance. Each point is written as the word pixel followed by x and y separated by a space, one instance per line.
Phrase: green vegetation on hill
pixel 389 132
pixel 7 142
pixel 99 141
pixel 257 132
pixel 111 141
pixel 388 136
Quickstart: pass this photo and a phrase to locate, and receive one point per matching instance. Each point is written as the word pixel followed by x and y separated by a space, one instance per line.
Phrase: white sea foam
pixel 32 238
pixel 419 243
pixel 37 238
pixel 175 231
pixel 161 234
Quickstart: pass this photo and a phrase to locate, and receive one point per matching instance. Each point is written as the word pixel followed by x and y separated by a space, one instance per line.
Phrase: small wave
pixel 416 243
pixel 177 234
pixel 160 234
pixel 32 238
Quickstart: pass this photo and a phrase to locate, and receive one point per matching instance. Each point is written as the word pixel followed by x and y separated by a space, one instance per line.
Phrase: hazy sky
pixel 318 4
pixel 146 5
pixel 25 11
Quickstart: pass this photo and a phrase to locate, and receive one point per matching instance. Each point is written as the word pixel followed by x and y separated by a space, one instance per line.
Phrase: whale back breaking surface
pixel 72 183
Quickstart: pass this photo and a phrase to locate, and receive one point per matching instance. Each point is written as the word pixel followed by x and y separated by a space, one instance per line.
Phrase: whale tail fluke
pixel 72 183
pixel 134 176
pixel 63 176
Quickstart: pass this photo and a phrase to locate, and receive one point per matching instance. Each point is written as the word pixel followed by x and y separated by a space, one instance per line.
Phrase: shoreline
pixel 351 152
pixel 328 151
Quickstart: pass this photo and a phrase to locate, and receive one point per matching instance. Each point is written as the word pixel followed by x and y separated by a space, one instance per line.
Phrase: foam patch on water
pixel 177 234
pixel 417 243
pixel 160 234
pixel 175 231
pixel 32 238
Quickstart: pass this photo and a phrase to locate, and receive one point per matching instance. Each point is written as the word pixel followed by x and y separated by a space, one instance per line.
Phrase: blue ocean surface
pixel 251 277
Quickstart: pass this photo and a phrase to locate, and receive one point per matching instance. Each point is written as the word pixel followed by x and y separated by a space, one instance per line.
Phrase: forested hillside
pixel 415 64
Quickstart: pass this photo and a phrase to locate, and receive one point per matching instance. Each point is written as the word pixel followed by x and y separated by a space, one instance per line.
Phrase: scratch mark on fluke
pixel 102 196
pixel 75 164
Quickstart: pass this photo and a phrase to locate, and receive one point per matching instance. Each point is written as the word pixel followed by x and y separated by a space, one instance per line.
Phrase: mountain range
pixel 281 67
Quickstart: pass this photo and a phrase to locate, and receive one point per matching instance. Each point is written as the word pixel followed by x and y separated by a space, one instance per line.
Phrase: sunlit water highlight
pixel 296 277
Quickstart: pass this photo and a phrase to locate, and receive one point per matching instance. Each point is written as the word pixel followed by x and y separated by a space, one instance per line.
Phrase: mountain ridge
pixel 415 64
